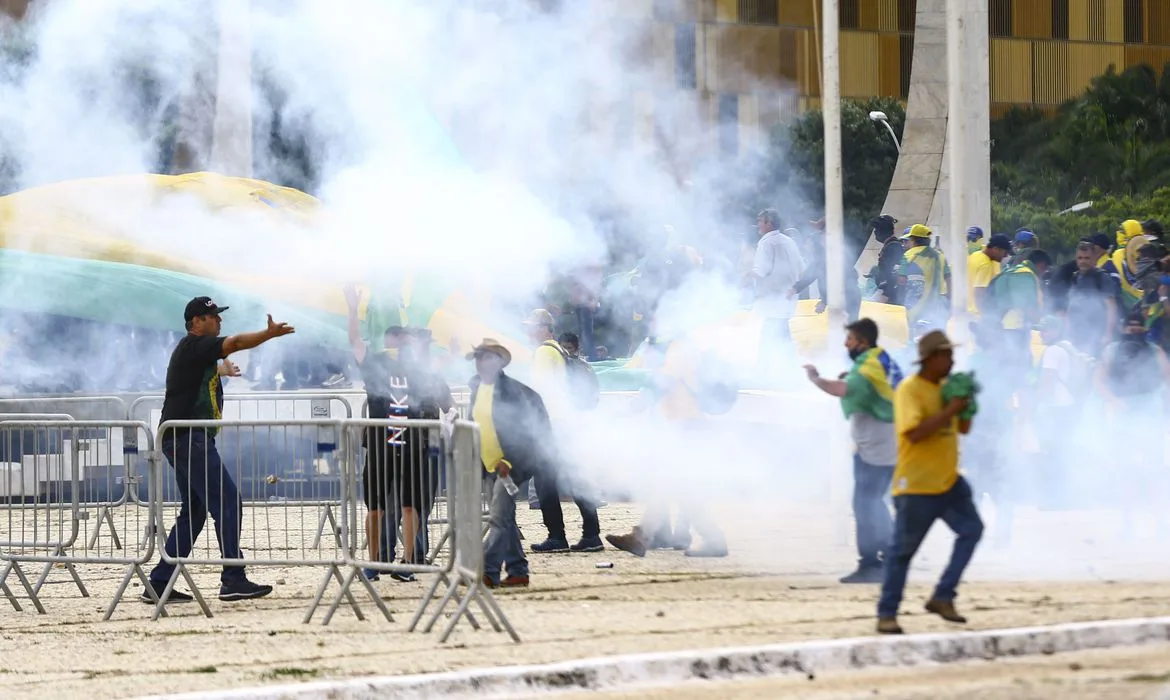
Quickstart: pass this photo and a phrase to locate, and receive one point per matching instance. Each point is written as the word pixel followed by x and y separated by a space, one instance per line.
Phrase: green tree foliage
pixel 796 162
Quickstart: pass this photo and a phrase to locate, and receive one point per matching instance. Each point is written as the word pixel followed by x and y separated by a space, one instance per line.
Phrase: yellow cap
pixel 919 231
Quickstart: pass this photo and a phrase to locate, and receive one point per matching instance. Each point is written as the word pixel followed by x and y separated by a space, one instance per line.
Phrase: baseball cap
pixel 932 343
pixel 974 233
pixel 1025 236
pixel 1101 240
pixel 539 317
pixel 917 231
pixel 201 306
pixel 1000 241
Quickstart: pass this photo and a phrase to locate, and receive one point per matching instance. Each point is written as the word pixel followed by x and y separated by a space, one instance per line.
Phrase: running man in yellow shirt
pixel 927 485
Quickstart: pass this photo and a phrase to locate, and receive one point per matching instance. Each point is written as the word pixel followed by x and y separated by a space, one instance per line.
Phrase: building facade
pixel 755 62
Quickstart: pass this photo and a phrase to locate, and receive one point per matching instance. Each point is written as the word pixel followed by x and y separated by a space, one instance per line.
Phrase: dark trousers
pixel 588 347
pixel 871 485
pixel 915 514
pixel 204 485
pixel 554 517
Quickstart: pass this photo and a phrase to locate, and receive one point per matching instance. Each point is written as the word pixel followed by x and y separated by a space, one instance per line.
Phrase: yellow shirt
pixel 549 377
pixel 931 466
pixel 980 270
pixel 680 371
pixel 490 450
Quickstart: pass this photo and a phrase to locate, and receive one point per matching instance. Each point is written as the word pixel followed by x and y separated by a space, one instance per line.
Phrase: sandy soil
pixel 778 585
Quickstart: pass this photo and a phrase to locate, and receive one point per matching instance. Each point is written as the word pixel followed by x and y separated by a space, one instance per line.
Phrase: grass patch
pixel 291 672
pixel 1149 678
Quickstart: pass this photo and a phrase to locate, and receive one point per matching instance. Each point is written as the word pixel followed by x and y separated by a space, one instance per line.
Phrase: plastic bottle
pixel 509 485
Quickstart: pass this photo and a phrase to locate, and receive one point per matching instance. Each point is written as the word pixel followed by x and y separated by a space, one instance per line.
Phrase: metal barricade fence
pixel 274 532
pixel 68 468
pixel 79 407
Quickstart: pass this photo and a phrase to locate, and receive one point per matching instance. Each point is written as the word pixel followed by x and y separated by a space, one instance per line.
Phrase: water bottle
pixel 509 485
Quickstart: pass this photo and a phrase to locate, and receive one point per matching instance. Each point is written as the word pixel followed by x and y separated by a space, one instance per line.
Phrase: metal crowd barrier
pixel 66 469
pixel 417 457
pixel 81 407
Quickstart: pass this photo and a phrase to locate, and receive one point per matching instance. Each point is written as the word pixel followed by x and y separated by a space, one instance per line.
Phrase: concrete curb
pixel 645 670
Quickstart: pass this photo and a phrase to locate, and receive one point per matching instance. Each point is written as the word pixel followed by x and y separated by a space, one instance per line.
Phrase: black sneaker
pixel 588 544
pixel 174 597
pixel 242 590
pixel 551 546
pixel 865 574
pixel 402 576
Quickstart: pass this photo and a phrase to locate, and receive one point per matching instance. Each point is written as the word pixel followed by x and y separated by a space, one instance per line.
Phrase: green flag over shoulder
pixel 870 384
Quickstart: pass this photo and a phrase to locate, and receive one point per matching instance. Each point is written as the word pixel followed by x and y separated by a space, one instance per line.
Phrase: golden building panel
pixel 1078 20
pixel 860 76
pixel 1032 19
pixel 1156 56
pixel 1157 22
pixel 1011 70
pixel 799 12
pixel 726 10
pixel 1112 20
pixel 746 58
pixel 1087 61
pixel 791 52
pixel 750 134
pixel 880 15
pixel 659 52
pixel 890 64
pixel 809 66
pixel 1050 72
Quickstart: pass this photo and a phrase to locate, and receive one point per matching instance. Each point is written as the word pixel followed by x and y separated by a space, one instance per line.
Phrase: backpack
pixel 583 386
pixel 1080 371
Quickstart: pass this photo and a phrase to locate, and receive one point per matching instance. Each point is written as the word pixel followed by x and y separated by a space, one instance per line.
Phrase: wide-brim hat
pixel 931 344
pixel 493 346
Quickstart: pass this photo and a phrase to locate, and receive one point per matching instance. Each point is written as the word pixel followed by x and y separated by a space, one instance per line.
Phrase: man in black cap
pixel 195 392
pixel 885 275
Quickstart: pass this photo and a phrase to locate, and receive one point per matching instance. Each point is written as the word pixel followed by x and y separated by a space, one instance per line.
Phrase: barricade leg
pixel 327 518
pixel 14 567
pixel 131 570
pixel 334 572
pixel 355 573
pixel 180 570
pixel 11 598
pixel 60 552
pixel 104 516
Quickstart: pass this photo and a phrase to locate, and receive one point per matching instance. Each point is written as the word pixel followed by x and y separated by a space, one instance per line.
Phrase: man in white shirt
pixel 776 268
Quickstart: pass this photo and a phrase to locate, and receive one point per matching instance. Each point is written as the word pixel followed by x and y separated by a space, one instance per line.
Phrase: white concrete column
pixel 834 199
pixel 231 135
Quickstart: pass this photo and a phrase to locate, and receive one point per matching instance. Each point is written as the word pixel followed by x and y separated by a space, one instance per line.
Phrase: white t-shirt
pixel 1057 359
pixel 779 265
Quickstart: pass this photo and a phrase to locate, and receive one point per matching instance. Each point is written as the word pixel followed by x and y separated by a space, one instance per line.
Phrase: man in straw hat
pixel 515 442
pixel 927 485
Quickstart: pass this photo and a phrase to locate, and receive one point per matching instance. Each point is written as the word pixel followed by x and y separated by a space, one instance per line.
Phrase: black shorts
pixel 403 474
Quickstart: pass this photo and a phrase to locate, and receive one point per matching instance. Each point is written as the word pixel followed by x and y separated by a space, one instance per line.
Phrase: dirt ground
pixel 778 585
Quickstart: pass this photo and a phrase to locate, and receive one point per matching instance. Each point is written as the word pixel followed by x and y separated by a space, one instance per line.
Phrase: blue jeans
pixel 914 516
pixel 871 484
pixel 204 485
pixel 503 547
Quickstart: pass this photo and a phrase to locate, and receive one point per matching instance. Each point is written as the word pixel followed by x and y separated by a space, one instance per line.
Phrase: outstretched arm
pixel 247 341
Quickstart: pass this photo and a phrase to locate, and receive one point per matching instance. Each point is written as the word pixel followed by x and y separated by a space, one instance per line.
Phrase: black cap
pixel 1000 241
pixel 1101 240
pixel 201 306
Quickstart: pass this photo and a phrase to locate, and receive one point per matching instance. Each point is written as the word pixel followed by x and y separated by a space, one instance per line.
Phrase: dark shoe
pixel 371 574
pixel 631 543
pixel 487 581
pixel 588 544
pixel 242 590
pixel 533 506
pixel 888 625
pixel 551 546
pixel 708 551
pixel 515 582
pixel 864 574
pixel 946 610
pixel 174 597
pixel 403 576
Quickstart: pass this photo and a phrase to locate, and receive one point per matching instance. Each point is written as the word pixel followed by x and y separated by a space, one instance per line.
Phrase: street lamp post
pixel 881 117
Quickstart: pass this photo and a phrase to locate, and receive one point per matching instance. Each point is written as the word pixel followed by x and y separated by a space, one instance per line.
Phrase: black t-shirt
pixel 396 389
pixel 194 390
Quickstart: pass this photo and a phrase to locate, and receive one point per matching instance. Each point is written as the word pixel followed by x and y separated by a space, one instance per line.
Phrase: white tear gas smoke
pixel 550 115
